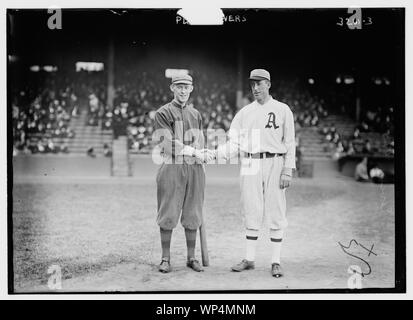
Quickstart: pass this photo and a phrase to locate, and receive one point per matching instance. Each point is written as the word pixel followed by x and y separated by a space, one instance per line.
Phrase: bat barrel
pixel 204 246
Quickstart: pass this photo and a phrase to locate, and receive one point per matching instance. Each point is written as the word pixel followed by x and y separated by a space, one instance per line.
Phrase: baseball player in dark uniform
pixel 263 131
pixel 181 177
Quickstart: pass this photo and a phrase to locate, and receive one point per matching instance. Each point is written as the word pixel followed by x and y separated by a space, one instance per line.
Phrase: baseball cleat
pixel 194 265
pixel 243 265
pixel 165 266
pixel 276 270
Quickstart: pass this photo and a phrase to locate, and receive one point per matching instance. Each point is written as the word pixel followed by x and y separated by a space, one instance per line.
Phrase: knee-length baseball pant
pixel 262 200
pixel 180 193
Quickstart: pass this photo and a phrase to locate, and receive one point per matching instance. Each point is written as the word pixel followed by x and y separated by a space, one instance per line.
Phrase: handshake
pixel 205 155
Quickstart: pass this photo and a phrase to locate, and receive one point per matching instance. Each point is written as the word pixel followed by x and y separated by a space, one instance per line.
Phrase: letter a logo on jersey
pixel 271 121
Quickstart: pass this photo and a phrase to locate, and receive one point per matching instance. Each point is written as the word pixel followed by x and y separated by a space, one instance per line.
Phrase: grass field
pixel 102 234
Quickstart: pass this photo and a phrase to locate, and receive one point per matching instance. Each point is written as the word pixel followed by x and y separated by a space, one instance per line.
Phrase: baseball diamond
pixel 257 155
pixel 113 245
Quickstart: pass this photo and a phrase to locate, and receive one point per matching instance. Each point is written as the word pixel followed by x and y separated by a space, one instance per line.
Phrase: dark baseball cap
pixel 260 74
pixel 184 79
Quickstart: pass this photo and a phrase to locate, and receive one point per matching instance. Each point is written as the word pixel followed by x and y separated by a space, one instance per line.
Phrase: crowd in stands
pixel 308 109
pixel 44 104
pixel 380 120
pixel 214 97
pixel 373 134
pixel 139 94
pixel 93 91
pixel 41 115
pixel 42 112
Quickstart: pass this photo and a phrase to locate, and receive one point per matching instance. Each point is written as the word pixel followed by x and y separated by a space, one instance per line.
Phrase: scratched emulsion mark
pixel 384 201
pixel 204 13
pixel 350 251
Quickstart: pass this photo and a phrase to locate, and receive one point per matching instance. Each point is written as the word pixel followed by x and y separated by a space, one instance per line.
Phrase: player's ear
pixel 191 89
pixel 172 86
pixel 269 84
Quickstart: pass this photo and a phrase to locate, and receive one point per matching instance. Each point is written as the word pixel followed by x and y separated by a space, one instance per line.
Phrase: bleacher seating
pixel 62 113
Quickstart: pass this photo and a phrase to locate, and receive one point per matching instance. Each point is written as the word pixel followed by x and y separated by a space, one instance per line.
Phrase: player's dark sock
pixel 166 236
pixel 251 238
pixel 276 237
pixel 190 236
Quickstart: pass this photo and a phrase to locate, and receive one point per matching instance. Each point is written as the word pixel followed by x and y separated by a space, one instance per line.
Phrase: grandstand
pixel 84 108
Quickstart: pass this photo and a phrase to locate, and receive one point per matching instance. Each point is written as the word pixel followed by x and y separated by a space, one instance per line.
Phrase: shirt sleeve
pixel 196 135
pixel 289 140
pixel 201 143
pixel 164 134
pixel 232 147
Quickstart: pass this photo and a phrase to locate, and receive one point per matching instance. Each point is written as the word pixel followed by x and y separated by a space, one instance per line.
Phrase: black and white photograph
pixel 204 150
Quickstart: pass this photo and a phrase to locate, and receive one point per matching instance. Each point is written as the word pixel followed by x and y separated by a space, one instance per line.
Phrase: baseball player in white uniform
pixel 263 133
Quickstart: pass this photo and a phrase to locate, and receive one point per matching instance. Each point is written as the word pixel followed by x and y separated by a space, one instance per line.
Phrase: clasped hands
pixel 205 155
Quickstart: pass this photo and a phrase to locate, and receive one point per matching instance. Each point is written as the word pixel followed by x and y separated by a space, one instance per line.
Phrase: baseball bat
pixel 204 246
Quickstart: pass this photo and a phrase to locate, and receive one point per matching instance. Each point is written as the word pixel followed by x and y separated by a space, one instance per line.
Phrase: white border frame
pixel 179 4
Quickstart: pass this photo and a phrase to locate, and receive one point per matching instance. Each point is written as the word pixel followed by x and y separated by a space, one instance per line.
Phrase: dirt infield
pixel 60 165
pixel 102 233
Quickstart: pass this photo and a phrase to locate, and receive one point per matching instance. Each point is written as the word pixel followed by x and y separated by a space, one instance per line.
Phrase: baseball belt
pixel 263 155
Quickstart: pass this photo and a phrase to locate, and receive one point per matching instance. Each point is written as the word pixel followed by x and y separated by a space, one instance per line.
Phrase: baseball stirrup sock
pixel 190 236
pixel 252 237
pixel 166 236
pixel 276 237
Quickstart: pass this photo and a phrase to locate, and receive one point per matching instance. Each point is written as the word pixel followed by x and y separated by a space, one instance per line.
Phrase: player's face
pixel 181 92
pixel 260 89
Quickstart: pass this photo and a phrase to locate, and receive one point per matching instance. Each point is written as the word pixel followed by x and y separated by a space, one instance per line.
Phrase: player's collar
pixel 176 104
pixel 269 100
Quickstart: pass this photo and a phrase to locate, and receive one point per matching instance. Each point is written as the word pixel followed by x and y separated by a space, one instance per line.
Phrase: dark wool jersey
pixel 177 126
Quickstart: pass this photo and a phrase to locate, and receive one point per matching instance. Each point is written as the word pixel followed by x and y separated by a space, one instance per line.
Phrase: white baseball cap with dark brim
pixel 184 79
pixel 260 74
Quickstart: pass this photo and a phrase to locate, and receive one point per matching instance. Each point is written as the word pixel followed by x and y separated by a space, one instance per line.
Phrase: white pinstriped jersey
pixel 263 128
